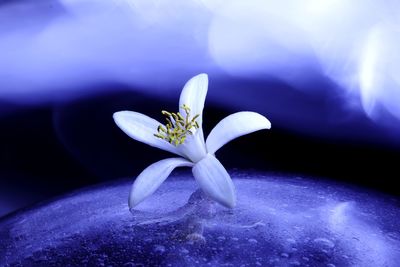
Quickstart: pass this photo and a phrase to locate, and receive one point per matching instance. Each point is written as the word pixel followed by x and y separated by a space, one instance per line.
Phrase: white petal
pixel 194 95
pixel 152 177
pixel 215 181
pixel 142 128
pixel 194 147
pixel 233 126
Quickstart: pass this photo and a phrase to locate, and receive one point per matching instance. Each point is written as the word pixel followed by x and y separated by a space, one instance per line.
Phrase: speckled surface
pixel 279 221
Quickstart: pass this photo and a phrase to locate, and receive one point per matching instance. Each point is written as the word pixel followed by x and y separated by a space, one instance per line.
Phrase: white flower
pixel 194 151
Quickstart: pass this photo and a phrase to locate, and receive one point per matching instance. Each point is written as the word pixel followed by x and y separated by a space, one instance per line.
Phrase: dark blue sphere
pixel 279 221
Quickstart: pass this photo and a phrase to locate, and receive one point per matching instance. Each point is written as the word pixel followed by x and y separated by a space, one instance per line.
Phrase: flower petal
pixel 142 128
pixel 194 95
pixel 215 181
pixel 194 147
pixel 152 177
pixel 233 126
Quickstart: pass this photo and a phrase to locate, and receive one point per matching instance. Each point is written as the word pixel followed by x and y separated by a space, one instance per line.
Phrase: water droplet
pixel 159 249
pixel 324 243
pixel 291 240
pixel 221 238
pixel 284 255
pixel 252 240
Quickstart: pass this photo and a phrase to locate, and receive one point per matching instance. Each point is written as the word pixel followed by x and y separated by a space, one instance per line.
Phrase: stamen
pixel 178 127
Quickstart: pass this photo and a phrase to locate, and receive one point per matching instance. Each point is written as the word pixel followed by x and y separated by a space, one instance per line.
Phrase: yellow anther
pixel 186 108
pixel 195 117
pixel 161 129
pixel 176 133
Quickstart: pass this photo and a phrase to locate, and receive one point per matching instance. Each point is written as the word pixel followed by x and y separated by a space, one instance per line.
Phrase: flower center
pixel 178 127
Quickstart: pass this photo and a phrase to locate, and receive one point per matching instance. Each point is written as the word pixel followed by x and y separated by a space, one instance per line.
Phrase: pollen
pixel 178 127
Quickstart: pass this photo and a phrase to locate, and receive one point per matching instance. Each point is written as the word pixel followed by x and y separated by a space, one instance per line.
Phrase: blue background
pixel 67 66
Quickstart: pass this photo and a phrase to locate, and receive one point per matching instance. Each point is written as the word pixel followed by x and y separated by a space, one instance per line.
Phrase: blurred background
pixel 326 74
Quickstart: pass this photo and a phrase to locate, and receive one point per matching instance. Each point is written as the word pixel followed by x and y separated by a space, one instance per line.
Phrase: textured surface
pixel 279 221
